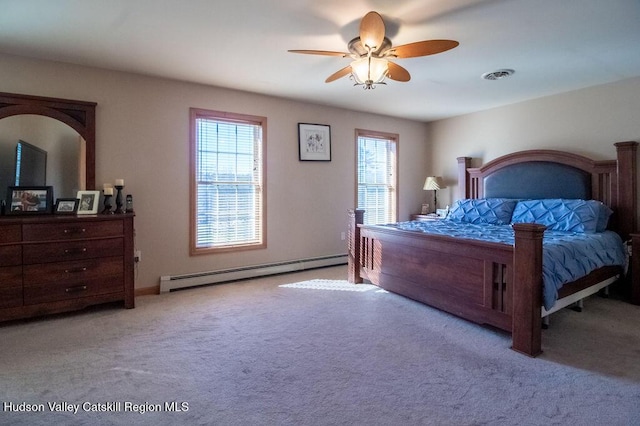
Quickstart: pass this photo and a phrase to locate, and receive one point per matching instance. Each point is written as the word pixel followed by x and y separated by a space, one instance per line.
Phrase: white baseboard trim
pixel 174 282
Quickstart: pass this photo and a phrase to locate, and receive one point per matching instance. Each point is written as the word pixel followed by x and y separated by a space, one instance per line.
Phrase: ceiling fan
pixel 371 52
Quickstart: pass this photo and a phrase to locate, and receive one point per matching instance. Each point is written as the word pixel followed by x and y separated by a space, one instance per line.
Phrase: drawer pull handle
pixel 75 270
pixel 76 251
pixel 75 231
pixel 76 289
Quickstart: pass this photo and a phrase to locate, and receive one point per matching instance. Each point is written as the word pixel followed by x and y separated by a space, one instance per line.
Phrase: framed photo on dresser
pixel 29 200
pixel 88 202
pixel 66 205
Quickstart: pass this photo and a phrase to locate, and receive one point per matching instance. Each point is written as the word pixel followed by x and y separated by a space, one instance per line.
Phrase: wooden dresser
pixel 57 263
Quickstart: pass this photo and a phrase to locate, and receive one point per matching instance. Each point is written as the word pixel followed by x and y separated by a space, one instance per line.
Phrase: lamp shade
pixel 433 183
pixel 369 70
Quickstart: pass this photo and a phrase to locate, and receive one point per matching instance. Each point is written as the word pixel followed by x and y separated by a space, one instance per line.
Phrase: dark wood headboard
pixel 614 182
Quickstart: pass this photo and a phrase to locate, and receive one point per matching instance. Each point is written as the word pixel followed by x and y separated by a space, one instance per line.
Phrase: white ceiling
pixel 553 45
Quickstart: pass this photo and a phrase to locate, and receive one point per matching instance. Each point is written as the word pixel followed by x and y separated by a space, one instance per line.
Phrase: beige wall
pixel 142 137
pixel 586 122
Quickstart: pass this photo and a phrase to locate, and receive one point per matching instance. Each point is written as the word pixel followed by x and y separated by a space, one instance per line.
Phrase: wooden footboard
pixel 471 279
pixel 487 283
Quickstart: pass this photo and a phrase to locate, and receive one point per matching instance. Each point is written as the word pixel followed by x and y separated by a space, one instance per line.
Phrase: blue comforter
pixel 567 256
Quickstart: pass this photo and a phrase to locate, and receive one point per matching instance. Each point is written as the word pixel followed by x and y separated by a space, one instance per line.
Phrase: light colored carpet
pixel 254 353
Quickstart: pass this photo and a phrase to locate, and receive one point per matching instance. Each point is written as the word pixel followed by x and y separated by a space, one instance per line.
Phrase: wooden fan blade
pixel 372 30
pixel 397 73
pixel 422 48
pixel 320 52
pixel 339 74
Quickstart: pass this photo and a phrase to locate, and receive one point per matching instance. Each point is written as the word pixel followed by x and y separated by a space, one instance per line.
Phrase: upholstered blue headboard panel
pixel 537 180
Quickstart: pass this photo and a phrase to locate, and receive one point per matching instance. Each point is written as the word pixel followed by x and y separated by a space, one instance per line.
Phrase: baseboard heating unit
pixel 175 282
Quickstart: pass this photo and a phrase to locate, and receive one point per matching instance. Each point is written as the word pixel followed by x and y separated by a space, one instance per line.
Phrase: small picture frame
pixel 314 142
pixel 88 202
pixel 425 209
pixel 29 200
pixel 66 206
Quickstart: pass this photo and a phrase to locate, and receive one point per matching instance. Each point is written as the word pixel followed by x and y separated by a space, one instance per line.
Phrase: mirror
pixel 40 151
pixel 64 129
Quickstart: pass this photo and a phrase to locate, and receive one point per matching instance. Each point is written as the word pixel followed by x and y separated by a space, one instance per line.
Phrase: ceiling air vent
pixel 498 75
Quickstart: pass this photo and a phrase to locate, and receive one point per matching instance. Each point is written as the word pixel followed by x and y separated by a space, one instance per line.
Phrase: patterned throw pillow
pixel 495 211
pixel 561 214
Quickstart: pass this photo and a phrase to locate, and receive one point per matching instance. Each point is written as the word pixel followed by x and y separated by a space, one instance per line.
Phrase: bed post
pixel 627 191
pixel 356 217
pixel 527 289
pixel 627 188
pixel 464 185
pixel 635 270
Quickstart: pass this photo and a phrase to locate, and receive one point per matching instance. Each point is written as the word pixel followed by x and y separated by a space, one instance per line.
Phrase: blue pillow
pixel 495 211
pixel 559 214
pixel 604 213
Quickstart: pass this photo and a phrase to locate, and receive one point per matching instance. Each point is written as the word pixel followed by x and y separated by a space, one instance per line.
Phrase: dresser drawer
pixel 11 276
pixel 10 234
pixel 56 292
pixel 72 250
pixel 74 271
pixel 10 297
pixel 53 282
pixel 71 230
pixel 10 255
pixel 10 286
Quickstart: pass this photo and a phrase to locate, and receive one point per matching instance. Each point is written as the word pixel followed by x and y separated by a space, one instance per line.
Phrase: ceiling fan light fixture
pixel 369 71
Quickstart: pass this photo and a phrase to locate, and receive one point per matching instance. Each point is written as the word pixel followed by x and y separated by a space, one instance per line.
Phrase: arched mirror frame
pixel 79 115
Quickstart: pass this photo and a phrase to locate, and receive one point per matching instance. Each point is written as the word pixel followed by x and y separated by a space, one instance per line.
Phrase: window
pixel 227 181
pixel 377 175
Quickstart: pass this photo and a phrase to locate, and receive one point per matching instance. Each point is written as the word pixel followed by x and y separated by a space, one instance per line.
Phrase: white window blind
pixel 376 169
pixel 228 183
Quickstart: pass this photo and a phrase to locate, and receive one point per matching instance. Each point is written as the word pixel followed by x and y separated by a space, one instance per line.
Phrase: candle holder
pixel 119 204
pixel 107 204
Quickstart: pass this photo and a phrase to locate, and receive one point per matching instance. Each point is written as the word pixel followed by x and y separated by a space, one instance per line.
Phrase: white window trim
pixel 194 115
pixel 394 139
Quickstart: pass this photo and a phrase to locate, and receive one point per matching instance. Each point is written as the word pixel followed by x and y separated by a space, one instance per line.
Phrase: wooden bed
pixel 492 283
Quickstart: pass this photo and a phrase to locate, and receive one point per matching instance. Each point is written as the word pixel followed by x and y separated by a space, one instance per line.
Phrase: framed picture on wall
pixel 29 200
pixel 314 142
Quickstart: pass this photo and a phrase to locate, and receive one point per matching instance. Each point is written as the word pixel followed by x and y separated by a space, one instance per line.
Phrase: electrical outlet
pixel 137 256
pixel 343 236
